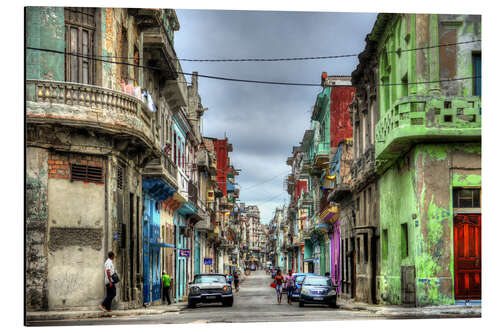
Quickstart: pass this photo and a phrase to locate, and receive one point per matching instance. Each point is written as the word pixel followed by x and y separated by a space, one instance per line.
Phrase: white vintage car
pixel 210 288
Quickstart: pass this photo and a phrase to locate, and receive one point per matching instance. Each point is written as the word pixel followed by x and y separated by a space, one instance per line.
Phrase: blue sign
pixel 184 253
pixel 207 261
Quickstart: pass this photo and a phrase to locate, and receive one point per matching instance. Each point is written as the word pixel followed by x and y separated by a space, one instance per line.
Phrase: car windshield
pixel 210 279
pixel 300 278
pixel 317 281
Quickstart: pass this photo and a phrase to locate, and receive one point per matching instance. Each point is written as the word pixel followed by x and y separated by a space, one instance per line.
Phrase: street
pixel 255 302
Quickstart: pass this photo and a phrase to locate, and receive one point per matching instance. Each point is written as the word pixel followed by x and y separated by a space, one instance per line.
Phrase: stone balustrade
pixel 90 106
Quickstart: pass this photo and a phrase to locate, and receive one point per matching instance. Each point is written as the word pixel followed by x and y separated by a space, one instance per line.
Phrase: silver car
pixel 210 288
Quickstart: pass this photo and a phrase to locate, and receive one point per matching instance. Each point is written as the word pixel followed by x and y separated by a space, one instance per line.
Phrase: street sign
pixel 184 253
pixel 207 261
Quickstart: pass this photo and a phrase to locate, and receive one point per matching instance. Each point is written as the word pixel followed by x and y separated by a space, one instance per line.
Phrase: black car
pixel 210 288
pixel 318 290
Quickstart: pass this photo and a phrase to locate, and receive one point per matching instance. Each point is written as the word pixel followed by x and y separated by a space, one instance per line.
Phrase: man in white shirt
pixel 109 269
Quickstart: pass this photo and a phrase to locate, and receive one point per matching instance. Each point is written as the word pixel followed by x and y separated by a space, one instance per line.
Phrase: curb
pixel 67 315
pixel 471 312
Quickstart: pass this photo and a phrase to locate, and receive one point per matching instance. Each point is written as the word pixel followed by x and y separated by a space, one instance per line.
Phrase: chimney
pixel 324 75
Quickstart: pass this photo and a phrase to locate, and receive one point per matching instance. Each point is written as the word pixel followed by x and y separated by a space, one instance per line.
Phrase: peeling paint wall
pixel 36 228
pixel 45 29
pixel 417 190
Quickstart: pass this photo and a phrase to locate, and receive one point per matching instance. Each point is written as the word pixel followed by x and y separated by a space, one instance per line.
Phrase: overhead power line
pixel 240 80
pixel 264 182
pixel 317 57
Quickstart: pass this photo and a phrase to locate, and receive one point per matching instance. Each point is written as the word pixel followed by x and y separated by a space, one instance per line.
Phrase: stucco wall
pixel 417 190
pixel 76 235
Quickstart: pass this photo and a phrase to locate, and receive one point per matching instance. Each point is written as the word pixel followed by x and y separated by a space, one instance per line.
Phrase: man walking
pixel 109 269
pixel 166 280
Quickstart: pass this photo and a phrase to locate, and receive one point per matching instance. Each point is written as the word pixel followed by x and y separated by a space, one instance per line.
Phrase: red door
pixel 467 243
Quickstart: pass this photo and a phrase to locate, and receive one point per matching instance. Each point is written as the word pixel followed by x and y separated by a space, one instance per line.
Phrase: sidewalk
pixel 97 313
pixel 397 311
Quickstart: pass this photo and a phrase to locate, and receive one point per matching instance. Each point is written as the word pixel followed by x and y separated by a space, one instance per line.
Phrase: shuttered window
pixel 86 173
pixel 80 28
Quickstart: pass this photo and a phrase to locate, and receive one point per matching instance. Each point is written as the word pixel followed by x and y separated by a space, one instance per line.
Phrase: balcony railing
pixel 425 119
pixel 193 193
pixel 162 167
pixel 92 106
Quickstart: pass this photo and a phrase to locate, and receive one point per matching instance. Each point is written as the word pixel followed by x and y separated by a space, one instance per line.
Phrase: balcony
pixel 203 162
pixel 417 119
pixel 85 106
pixel 329 214
pixel 193 193
pixel 205 224
pixel 159 52
pixel 321 156
pixel 162 168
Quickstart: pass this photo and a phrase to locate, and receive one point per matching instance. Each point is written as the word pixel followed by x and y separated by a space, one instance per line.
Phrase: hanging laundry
pixel 149 102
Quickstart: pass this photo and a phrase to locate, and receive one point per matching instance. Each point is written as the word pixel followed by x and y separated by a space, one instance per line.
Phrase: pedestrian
pixel 278 280
pixel 236 279
pixel 109 269
pixel 327 274
pixel 289 284
pixel 166 281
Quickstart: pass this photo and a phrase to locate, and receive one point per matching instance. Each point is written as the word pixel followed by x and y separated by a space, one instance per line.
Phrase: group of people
pixel 289 283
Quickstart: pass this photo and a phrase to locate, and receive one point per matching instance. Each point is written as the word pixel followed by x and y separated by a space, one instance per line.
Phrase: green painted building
pixel 428 157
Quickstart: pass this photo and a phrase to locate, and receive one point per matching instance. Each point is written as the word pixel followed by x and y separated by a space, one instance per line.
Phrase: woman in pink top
pixel 290 285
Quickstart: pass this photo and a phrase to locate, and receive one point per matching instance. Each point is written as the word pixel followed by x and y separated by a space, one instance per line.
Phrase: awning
pixel 160 244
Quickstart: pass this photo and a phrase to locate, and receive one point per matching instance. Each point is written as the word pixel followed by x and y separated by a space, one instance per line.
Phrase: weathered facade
pixel 428 153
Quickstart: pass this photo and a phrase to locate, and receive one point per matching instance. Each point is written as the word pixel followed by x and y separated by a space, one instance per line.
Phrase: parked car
pixel 318 290
pixel 298 279
pixel 210 288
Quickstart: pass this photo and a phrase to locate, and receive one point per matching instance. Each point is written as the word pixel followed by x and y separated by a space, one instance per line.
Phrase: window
pixel 404 240
pixel 385 244
pixel 466 198
pixel 80 28
pixel 358 249
pixel 476 63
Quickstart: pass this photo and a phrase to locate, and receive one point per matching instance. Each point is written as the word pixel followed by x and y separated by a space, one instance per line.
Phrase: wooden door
pixel 467 249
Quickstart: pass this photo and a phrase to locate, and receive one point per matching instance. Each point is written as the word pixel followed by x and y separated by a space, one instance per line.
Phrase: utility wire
pixel 316 58
pixel 264 182
pixel 243 80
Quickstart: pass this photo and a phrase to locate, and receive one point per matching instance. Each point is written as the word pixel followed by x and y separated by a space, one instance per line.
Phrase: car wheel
pixel 333 303
pixel 191 305
pixel 301 304
pixel 228 303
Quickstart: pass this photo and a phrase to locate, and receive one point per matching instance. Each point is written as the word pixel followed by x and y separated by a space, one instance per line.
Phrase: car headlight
pixel 226 290
pixel 305 291
pixel 332 292
pixel 195 291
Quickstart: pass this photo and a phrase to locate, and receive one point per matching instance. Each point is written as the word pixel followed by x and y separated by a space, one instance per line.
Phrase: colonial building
pixel 428 154
pixel 92 130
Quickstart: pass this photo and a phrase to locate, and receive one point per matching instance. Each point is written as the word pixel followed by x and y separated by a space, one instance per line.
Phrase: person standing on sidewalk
pixel 289 284
pixel 109 269
pixel 236 279
pixel 166 280
pixel 278 280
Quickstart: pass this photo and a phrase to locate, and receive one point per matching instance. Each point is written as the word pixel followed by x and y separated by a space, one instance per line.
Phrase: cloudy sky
pixel 263 122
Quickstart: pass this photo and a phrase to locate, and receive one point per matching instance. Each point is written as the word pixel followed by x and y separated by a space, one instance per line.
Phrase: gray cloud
pixel 262 121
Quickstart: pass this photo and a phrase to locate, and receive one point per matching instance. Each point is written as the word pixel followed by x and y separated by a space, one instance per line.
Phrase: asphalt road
pixel 255 302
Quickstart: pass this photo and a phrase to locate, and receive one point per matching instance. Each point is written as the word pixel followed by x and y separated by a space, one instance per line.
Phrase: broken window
pixel 466 198
pixel 80 28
